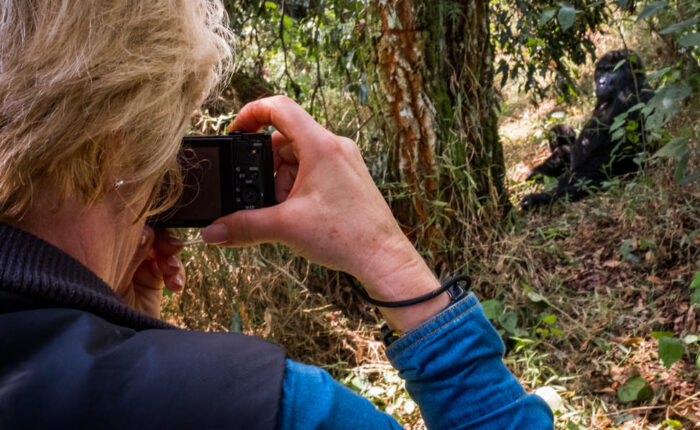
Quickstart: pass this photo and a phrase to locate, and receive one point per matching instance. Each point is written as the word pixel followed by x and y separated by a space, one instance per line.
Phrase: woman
pixel 94 99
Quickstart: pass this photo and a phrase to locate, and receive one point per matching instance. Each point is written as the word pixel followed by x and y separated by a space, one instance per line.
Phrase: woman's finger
pixel 169 265
pixel 284 181
pixel 166 244
pixel 286 116
pixel 176 282
pixel 282 149
pixel 148 275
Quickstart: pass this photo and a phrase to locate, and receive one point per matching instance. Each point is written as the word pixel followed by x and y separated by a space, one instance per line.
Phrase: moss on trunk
pixel 434 69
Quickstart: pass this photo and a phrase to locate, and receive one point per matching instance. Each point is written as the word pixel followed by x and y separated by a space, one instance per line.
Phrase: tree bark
pixel 434 70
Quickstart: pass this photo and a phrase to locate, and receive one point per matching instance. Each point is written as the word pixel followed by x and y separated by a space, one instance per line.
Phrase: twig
pixel 286 272
pixel 284 50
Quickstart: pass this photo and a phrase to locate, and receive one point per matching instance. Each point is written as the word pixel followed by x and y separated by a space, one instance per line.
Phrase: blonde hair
pixel 96 91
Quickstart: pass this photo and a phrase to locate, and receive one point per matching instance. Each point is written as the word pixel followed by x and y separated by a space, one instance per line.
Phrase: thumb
pixel 244 228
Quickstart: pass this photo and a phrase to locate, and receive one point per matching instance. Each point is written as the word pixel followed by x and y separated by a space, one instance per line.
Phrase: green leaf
pixel 627 248
pixel 621 62
pixel 688 179
pixel 657 74
pixel 492 309
pixel 546 15
pixel 672 424
pixel 566 15
pixel 677 27
pixel 634 389
pixel 167 292
pixel 666 103
pixel 661 334
pixel 535 297
pixel 696 281
pixel 676 149
pixel 692 39
pixel 695 297
pixel 550 319
pixel 670 350
pixel 681 165
pixel 690 338
pixel 652 9
pixel 509 321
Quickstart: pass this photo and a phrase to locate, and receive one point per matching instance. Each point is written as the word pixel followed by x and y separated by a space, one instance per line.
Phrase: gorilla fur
pixel 561 141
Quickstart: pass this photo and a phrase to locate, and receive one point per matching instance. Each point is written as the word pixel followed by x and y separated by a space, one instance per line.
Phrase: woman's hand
pixel 330 211
pixel 155 263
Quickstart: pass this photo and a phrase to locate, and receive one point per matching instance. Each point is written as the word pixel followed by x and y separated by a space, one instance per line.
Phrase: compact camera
pixel 222 174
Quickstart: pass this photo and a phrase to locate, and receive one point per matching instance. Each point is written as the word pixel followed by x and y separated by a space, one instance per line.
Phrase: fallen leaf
pixel 633 341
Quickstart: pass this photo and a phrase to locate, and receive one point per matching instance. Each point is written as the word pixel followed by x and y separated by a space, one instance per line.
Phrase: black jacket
pixel 73 355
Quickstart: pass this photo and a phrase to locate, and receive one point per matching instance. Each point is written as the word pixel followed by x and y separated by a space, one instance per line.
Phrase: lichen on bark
pixel 433 68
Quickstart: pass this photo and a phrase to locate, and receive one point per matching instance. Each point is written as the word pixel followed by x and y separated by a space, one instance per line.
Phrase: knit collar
pixel 32 267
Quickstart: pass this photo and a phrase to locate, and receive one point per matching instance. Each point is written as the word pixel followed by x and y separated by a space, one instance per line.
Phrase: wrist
pixel 396 272
pixel 399 273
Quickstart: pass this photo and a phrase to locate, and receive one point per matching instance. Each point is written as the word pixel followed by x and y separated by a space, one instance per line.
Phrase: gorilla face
pixel 612 78
pixel 609 81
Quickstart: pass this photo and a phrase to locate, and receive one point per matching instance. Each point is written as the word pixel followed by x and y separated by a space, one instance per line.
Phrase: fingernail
pixel 172 262
pixel 178 281
pixel 217 233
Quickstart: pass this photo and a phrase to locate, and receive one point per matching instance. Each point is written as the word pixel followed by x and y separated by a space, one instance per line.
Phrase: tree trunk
pixel 434 70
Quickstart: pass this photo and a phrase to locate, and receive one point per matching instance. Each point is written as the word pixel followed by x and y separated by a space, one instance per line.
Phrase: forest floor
pixel 580 292
pixel 615 269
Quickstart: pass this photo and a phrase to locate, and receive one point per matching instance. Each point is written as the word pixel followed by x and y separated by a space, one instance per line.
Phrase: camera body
pixel 221 175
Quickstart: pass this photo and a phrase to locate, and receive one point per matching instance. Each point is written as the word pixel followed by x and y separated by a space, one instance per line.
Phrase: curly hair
pixel 96 91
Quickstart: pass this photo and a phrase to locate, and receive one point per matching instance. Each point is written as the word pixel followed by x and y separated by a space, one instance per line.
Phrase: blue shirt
pixel 453 370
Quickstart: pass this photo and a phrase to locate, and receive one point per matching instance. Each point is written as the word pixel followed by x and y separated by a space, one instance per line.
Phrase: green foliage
pixel 680 150
pixel 535 45
pixel 566 15
pixel 695 285
pixel 672 424
pixel 492 309
pixel 635 389
pixel 676 83
pixel 670 350
pixel 652 9
pixel 308 50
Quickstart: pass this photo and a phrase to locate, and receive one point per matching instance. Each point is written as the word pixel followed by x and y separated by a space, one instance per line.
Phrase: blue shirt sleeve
pixel 453 370
pixel 312 399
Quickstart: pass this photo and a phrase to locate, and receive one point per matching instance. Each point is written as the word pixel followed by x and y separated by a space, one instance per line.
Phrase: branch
pixel 294 85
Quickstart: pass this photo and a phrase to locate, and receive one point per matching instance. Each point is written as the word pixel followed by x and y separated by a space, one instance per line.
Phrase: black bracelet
pixel 456 292
pixel 446 285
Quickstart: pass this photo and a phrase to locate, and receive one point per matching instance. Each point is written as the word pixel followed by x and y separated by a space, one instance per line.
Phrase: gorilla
pixel 620 83
pixel 561 141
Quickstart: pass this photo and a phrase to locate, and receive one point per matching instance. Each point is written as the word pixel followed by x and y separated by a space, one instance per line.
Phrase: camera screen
pixel 201 196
